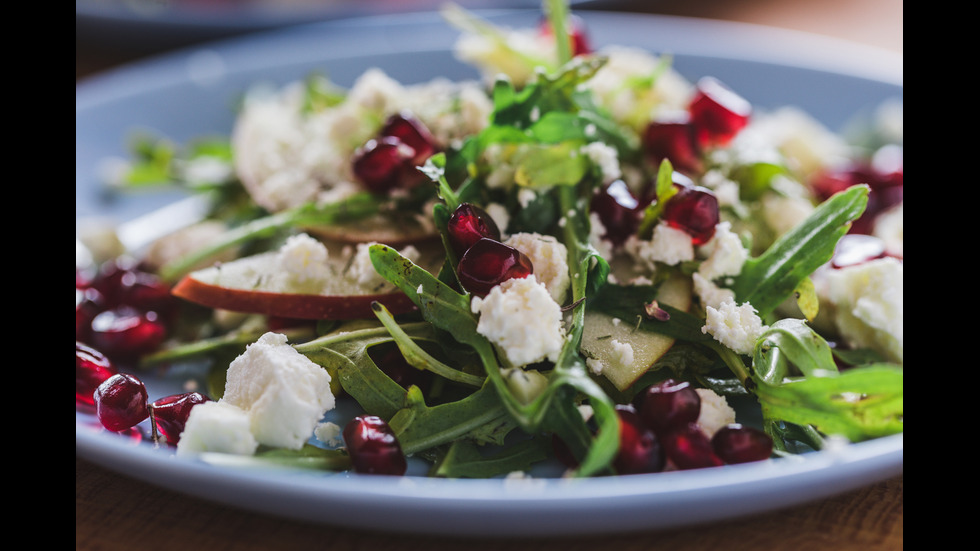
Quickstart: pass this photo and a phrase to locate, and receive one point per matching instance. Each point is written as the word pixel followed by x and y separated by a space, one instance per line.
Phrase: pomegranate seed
pixel 380 164
pixel 92 368
pixel 88 304
pixel 618 209
pixel 170 413
pixel 467 225
pixel 411 132
pixel 885 178
pixel 488 263
pixel 639 449
pixel 669 404
pixel 373 447
pixel 672 139
pixel 126 333
pixel 575 27
pixel 739 444
pixel 688 447
pixel 146 292
pixel 717 113
pixel 120 402
pixel 853 249
pixel 694 210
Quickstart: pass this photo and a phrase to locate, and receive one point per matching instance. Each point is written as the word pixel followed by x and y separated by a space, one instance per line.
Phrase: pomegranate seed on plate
pixel 639 449
pixel 170 413
pixel 488 263
pixel 618 210
pixel 88 304
pixel 92 368
pixel 740 444
pixel 694 210
pixel 373 447
pixel 688 447
pixel 717 113
pixel 467 225
pixel 380 164
pixel 126 333
pixel 121 402
pixel 669 404
pixel 672 139
pixel 411 132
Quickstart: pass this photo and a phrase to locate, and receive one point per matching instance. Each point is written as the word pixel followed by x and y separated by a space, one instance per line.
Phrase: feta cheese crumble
pixel 283 392
pixel 521 318
pixel 725 254
pixel 303 256
pixel 715 411
pixel 868 302
pixel 668 245
pixel 737 327
pixel 549 258
pixel 217 427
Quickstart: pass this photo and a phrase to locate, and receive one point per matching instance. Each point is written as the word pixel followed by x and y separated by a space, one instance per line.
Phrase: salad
pixel 581 262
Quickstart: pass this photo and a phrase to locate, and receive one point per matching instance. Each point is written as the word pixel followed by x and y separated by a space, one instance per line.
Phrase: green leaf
pixel 464 459
pixel 859 404
pixel 542 166
pixel 769 279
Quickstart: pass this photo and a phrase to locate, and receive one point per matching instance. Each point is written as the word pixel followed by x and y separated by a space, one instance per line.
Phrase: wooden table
pixel 116 512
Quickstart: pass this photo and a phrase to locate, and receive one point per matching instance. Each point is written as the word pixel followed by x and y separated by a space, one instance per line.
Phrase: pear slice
pixel 624 352
pixel 258 285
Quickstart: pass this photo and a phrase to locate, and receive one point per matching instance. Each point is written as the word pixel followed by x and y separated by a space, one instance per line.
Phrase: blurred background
pixel 112 32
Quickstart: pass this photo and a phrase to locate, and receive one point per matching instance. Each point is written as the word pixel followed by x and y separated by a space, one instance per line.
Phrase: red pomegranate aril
pixel 467 225
pixel 488 263
pixel 639 449
pixel 373 448
pixel 170 413
pixel 718 114
pixel 740 444
pixel 669 404
pixel 121 402
pixel 92 368
pixel 411 132
pixel 125 333
pixel 853 249
pixel 618 210
pixel 575 27
pixel 88 304
pixel 673 140
pixel 694 210
pixel 688 447
pixel 146 292
pixel 381 164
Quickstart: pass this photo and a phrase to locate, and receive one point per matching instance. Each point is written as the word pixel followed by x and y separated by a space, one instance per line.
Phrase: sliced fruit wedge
pixel 624 352
pixel 259 285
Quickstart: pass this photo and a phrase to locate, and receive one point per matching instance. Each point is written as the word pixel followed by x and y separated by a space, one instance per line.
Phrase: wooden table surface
pixel 113 511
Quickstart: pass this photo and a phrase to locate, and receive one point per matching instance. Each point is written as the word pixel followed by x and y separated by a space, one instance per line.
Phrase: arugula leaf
pixel 464 459
pixel 767 280
pixel 796 380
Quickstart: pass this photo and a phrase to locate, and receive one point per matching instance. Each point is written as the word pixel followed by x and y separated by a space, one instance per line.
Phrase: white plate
pixel 191 93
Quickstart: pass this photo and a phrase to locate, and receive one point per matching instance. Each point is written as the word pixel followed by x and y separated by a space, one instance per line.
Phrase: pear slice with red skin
pixel 258 285
pixel 601 330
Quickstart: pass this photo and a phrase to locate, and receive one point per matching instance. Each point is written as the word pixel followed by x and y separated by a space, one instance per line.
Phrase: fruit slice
pixel 605 339
pixel 259 285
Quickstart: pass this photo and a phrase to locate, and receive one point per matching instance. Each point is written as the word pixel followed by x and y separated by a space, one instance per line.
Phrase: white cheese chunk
pixel 868 300
pixel 549 258
pixel 521 318
pixel 283 392
pixel 726 254
pixel 737 327
pixel 304 257
pixel 715 411
pixel 217 427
